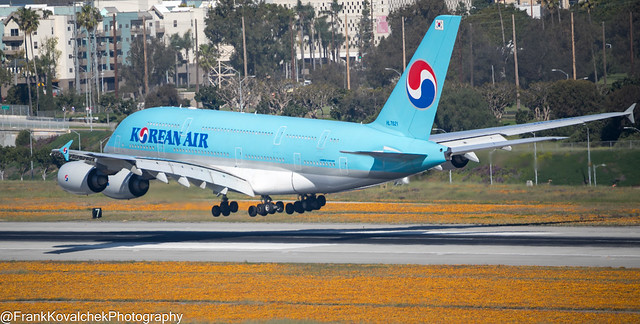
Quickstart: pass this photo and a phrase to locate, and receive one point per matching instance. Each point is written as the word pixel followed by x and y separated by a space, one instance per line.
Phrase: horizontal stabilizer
pixel 395 156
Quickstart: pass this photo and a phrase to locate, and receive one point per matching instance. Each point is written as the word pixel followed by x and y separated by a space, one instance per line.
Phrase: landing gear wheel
pixel 253 211
pixel 215 211
pixel 261 209
pixel 297 206
pixel 279 206
pixel 233 206
pixel 289 209
pixel 321 201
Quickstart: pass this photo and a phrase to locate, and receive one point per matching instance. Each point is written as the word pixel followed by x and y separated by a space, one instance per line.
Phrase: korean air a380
pixel 263 155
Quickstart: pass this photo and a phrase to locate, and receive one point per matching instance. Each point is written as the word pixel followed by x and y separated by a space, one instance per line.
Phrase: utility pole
pixel 197 60
pixel 115 57
pixel 515 58
pixel 244 48
pixel 573 46
pixel 293 52
pixel 604 56
pixel 471 51
pixel 144 49
pixel 346 33
pixel 404 51
pixel 631 40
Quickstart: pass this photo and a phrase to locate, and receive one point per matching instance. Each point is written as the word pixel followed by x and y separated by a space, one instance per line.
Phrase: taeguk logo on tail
pixel 422 85
pixel 143 135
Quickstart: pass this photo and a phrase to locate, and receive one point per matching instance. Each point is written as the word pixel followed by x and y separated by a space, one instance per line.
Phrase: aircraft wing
pixel 494 137
pixel 161 169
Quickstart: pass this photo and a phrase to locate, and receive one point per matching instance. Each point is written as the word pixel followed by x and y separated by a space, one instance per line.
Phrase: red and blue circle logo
pixel 64 150
pixel 66 178
pixel 143 136
pixel 422 85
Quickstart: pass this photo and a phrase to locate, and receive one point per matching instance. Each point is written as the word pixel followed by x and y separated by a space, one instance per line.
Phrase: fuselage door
pixel 297 161
pixel 238 156
pixel 323 139
pixel 278 139
pixel 185 127
pixel 344 168
pixel 117 148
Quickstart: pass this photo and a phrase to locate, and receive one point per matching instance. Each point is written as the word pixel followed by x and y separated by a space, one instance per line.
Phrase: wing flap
pixel 393 156
pixel 463 149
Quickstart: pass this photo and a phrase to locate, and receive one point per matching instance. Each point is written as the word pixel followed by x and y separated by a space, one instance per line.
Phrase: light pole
pixel 588 154
pixel 30 151
pixel 102 141
pixel 394 70
pixel 79 142
pixel 491 166
pixel 595 181
pixel 558 70
pixel 535 159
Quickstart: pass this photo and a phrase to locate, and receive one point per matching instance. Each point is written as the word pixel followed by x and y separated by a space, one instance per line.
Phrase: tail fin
pixel 65 150
pixel 412 105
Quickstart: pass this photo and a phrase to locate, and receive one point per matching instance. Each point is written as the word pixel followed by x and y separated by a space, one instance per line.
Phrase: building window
pixel 14 32
pixel 69 28
pixel 175 23
pixel 70 70
pixel 35 44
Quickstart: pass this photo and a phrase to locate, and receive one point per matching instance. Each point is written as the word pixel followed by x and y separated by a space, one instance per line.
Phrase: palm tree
pixel 334 12
pixel 179 43
pixel 28 22
pixel 89 17
pixel 207 56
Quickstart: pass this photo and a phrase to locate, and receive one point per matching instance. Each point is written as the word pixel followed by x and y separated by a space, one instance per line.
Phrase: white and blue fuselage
pixel 277 155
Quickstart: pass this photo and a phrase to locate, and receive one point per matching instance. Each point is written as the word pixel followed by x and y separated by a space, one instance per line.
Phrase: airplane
pixel 264 155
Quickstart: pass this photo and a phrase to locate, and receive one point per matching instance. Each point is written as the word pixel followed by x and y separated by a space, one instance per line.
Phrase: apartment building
pixel 161 19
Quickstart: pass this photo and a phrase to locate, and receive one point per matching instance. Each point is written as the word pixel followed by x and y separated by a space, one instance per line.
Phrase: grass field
pixel 215 292
pixel 292 293
pixel 419 202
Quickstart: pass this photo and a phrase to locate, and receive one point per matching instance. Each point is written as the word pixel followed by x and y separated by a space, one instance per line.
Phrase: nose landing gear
pixel 225 208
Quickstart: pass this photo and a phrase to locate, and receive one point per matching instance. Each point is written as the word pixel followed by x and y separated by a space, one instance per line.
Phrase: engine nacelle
pixel 126 185
pixel 80 178
pixel 459 161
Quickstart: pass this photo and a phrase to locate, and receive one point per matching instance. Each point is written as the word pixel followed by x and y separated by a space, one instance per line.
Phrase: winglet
pixel 65 150
pixel 629 113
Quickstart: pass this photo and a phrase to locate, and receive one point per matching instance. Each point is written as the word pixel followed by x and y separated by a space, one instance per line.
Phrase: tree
pixel 499 97
pixel 462 108
pixel 160 60
pixel 209 97
pixel 365 32
pixel 570 98
pixel 267 29
pixel 47 65
pixel 334 10
pixel 184 42
pixel 537 99
pixel 165 95
pixel 28 22
pixel 208 57
pixel 88 18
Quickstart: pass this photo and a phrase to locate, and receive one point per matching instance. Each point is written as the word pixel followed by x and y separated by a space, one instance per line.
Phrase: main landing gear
pixel 306 203
pixel 225 208
pixel 266 207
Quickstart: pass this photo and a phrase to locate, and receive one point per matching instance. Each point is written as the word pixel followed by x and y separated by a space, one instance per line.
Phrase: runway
pixel 322 243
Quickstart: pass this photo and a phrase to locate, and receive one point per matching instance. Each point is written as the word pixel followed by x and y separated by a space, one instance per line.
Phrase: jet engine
pixel 459 161
pixel 80 178
pixel 126 185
